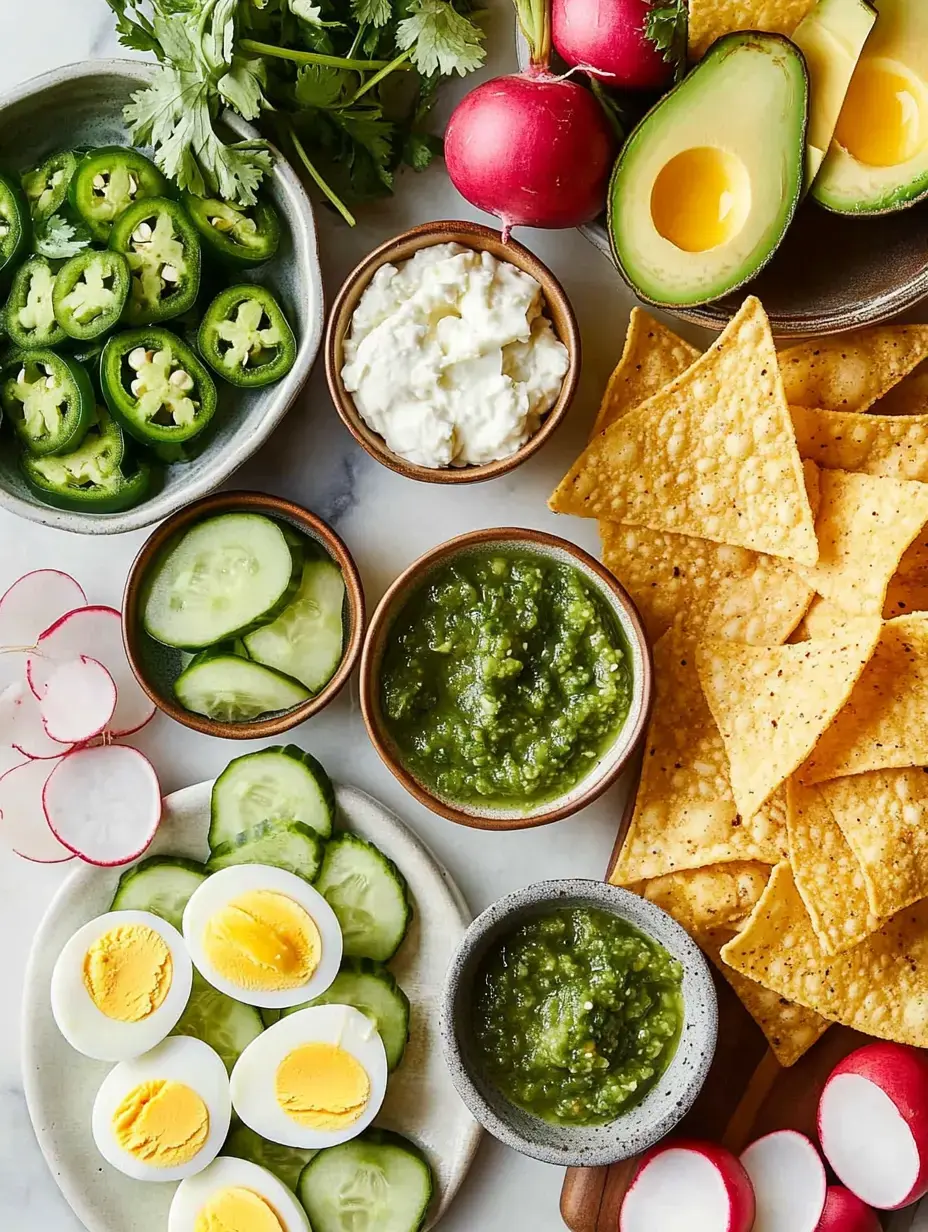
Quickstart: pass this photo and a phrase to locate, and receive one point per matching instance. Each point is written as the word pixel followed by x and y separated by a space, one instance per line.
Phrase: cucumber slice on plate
pixel 368 894
pixel 281 783
pixel 227 1026
pixel 220 579
pixel 222 686
pixel 378 1180
pixel 285 844
pixel 286 1162
pixel 370 988
pixel 161 885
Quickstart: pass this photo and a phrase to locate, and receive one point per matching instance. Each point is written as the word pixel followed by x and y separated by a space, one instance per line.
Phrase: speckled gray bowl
pixel 666 1103
pixel 81 105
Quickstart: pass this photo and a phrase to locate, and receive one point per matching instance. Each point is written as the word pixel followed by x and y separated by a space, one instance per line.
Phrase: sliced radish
pixel 97 633
pixel 688 1186
pixel 78 701
pixel 844 1212
pixel 23 825
pixel 34 602
pixel 789 1182
pixel 22 727
pixel 873 1124
pixel 104 803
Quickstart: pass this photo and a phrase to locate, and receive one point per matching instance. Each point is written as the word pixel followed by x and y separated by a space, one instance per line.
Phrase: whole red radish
pixel 533 149
pixel 846 1213
pixel 608 39
pixel 688 1186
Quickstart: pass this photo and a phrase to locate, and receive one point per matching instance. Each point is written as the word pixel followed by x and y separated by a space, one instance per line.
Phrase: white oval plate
pixel 61 1084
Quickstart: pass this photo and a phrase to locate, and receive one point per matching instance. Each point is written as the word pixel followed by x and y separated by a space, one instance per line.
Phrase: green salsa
pixel 504 679
pixel 576 1015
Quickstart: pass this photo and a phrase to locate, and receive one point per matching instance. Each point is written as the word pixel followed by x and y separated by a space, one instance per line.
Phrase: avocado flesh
pixel 854 179
pixel 745 102
pixel 831 38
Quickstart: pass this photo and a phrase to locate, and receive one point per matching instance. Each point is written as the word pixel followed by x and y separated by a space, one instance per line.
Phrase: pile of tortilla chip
pixel 768 513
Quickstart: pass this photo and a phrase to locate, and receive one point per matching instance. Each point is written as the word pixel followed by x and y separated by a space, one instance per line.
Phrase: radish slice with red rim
pixel 104 803
pixel 78 701
pixel 23 825
pixel 844 1212
pixel 789 1182
pixel 688 1186
pixel 23 729
pixel 34 602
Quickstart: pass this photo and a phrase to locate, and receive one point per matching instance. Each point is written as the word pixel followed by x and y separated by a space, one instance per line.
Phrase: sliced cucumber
pixel 286 1162
pixel 368 894
pixel 281 783
pixel 379 1181
pixel 160 884
pixel 285 844
pixel 371 988
pixel 307 639
pixel 223 577
pixel 227 1026
pixel 222 686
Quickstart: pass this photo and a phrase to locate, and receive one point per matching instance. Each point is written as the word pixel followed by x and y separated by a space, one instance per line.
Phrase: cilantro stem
pixel 312 57
pixel 377 78
pixel 320 182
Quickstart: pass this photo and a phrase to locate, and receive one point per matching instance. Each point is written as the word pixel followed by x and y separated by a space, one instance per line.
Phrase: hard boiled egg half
pixel 234 1195
pixel 315 1079
pixel 120 985
pixel 263 936
pixel 164 1116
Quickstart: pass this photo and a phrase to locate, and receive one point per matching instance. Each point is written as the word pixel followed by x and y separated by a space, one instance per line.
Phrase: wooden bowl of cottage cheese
pixel 451 355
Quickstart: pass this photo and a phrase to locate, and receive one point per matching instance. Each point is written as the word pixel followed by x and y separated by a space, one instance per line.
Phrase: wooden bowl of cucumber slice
pixel 243 615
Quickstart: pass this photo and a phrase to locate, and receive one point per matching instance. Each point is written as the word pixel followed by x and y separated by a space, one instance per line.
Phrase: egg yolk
pixel 237 1210
pixel 882 122
pixel 263 941
pixel 128 972
pixel 162 1123
pixel 322 1086
pixel 701 199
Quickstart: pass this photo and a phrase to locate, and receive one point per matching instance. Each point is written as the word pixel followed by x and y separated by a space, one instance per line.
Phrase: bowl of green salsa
pixel 578 1022
pixel 506 679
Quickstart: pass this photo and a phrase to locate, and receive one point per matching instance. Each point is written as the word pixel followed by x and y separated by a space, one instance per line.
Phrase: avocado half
pixel 707 184
pixel 854 179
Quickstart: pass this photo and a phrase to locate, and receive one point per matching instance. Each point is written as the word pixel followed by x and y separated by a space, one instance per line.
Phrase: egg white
pixel 229 884
pixel 254 1076
pixel 179 1059
pixel 88 1029
pixel 226 1172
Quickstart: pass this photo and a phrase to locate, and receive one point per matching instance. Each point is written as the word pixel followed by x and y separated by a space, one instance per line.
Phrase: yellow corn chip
pixel 822 619
pixel 864 525
pixel 702 898
pixel 827 874
pixel 883 724
pixel 892 445
pixel 850 372
pixel 909 397
pixel 652 357
pixel 712 454
pixel 710 19
pixel 905 594
pixel 915 558
pixel 772 703
pixel 880 987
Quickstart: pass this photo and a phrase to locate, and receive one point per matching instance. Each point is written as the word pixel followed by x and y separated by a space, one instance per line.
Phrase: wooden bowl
pixel 471 235
pixel 156 667
pixel 613 761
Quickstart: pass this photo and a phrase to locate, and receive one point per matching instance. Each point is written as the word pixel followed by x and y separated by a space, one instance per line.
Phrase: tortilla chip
pixel 880 987
pixel 652 357
pixel 892 445
pixel 791 1029
pixel 828 876
pixel 906 594
pixel 849 372
pixel 864 525
pixel 685 815
pixel 909 397
pixel 710 19
pixel 822 619
pixel 883 726
pixel 712 454
pixel 772 703
pixel 701 898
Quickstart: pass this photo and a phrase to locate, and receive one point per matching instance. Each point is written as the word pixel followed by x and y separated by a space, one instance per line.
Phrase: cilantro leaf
pixel 370 131
pixel 57 239
pixel 242 87
pixel 666 28
pixel 420 150
pixel 440 38
pixel 371 12
pixel 317 85
pixel 133 28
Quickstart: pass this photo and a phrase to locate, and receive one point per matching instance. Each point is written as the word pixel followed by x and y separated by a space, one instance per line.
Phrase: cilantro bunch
pixel 345 85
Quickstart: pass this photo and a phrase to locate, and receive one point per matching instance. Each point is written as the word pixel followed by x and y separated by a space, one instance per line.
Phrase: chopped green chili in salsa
pixel 576 1015
pixel 505 678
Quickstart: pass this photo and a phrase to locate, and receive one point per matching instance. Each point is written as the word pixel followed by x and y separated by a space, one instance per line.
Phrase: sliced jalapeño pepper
pixel 162 247
pixel 46 186
pixel 246 338
pixel 109 180
pixel 48 399
pixel 156 388
pixel 15 227
pixel 233 234
pixel 29 314
pixel 90 293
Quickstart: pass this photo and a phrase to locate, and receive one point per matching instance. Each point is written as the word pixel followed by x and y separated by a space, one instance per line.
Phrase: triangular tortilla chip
pixel 710 19
pixel 894 446
pixel 700 898
pixel 883 725
pixel 712 454
pixel 909 397
pixel 848 372
pixel 879 987
pixel 906 593
pixel 864 525
pixel 772 703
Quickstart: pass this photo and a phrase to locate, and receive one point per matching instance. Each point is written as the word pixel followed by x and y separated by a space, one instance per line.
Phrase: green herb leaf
pixel 420 150
pixel 370 131
pixel 57 239
pixel 440 38
pixel 320 86
pixel 242 87
pixel 372 12
pixel 133 28
pixel 666 27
